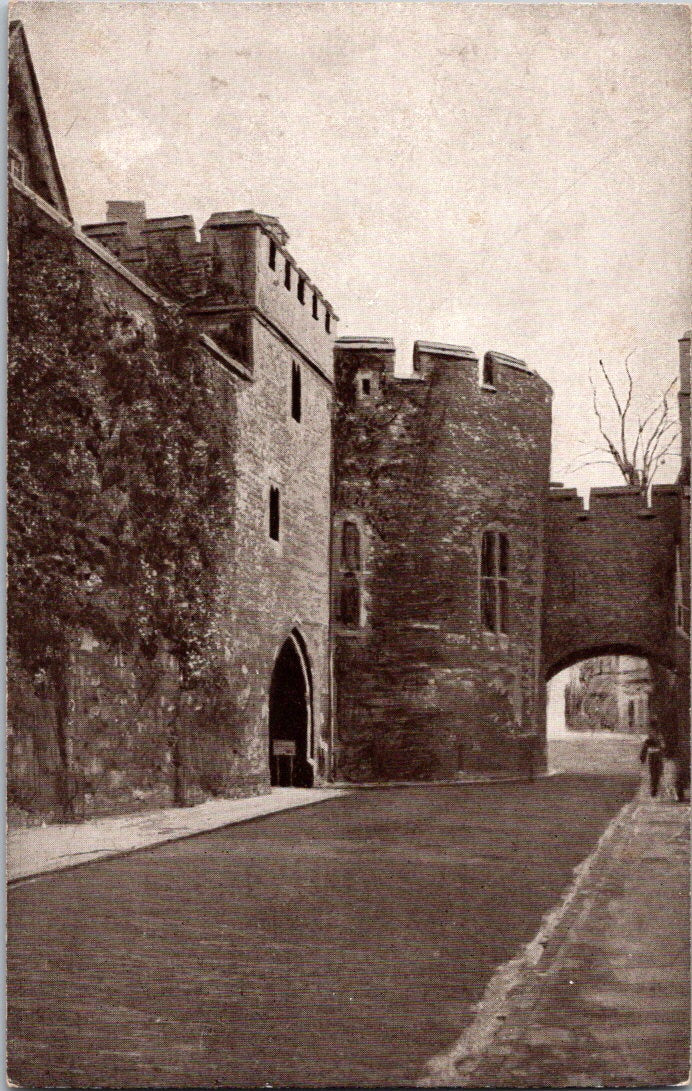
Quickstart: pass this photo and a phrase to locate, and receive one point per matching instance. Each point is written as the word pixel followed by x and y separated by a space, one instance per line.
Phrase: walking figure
pixel 652 751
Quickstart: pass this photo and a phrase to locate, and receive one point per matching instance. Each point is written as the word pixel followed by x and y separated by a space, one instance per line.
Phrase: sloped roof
pixel 19 55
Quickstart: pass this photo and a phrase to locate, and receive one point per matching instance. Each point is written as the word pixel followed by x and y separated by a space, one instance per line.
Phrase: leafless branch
pixel 592 449
pixel 652 434
pixel 643 424
pixel 628 402
pixel 617 457
pixel 663 424
pixel 660 457
pixel 611 387
pixel 585 465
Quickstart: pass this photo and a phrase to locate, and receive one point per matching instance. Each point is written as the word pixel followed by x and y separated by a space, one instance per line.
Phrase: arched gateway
pixel 610 576
pixel 290 716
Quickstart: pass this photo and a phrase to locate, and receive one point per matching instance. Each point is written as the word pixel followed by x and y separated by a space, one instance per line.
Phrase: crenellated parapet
pixel 236 273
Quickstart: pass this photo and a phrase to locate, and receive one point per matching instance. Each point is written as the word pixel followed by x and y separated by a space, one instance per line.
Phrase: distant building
pixel 609 693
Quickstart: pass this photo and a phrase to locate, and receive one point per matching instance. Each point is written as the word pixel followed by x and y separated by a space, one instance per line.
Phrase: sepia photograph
pixel 348 544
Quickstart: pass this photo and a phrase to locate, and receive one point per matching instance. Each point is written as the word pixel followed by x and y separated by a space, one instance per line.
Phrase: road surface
pixel 343 943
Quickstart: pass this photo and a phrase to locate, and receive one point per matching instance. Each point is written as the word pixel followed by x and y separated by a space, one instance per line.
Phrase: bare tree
pixel 637 440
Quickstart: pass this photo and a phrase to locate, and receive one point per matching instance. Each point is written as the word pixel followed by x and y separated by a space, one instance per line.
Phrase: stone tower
pixel 440 480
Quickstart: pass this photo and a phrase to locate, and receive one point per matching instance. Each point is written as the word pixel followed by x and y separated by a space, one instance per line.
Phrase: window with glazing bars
pixel 494 581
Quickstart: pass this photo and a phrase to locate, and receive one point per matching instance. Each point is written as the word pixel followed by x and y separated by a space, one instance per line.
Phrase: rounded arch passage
pixel 290 716
pixel 592 651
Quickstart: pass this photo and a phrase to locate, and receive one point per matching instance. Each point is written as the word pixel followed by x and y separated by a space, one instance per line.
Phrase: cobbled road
pixel 339 944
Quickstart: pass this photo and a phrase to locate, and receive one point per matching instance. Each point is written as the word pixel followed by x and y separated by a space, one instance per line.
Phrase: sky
pixel 510 177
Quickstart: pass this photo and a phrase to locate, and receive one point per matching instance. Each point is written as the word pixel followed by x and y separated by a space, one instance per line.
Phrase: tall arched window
pixel 350 547
pixel 349 601
pixel 349 590
pixel 494 581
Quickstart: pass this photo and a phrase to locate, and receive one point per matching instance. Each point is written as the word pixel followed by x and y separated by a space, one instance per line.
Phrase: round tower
pixel 440 485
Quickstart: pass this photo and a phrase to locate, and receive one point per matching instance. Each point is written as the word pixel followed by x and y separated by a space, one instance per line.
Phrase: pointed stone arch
pixel 291 729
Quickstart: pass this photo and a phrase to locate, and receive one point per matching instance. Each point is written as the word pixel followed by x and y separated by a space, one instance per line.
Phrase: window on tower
pixel 274 513
pixel 494 589
pixel 296 392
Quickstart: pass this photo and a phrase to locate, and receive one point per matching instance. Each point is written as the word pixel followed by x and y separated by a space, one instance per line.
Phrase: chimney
pixel 133 213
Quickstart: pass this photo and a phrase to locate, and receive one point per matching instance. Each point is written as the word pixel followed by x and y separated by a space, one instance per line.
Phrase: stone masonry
pixel 423 466
pixel 394 537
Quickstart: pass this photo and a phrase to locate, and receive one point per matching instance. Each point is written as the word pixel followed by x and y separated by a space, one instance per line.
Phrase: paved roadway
pixel 343 943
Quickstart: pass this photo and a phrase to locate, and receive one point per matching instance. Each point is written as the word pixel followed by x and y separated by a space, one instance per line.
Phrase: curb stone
pixel 452 1067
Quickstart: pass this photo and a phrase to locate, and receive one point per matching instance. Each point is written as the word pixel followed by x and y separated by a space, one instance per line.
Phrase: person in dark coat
pixel 652 752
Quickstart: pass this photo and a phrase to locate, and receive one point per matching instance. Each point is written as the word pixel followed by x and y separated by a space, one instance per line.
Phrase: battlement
pixel 503 360
pixel 614 503
pixel 128 228
pixel 365 344
pixel 362 355
pixel 237 266
pixel 436 348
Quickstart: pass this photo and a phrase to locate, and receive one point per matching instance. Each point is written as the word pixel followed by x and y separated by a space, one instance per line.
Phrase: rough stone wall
pixel 609 575
pixel 105 688
pixel 269 589
pixel 424 465
pixel 277 587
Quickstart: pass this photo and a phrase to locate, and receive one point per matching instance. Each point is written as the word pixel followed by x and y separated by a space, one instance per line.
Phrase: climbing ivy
pixel 119 478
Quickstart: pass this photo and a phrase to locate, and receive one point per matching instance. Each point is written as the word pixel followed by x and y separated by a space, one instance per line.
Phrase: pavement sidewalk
pixel 38 850
pixel 601 997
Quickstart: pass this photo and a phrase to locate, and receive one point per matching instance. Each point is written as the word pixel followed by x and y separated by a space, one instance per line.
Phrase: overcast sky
pixel 503 176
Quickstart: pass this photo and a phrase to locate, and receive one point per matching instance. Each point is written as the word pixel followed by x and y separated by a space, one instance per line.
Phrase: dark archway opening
pixel 289 719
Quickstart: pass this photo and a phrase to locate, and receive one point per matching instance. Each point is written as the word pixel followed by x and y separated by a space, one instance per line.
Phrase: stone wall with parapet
pixel 610 569
pixel 424 465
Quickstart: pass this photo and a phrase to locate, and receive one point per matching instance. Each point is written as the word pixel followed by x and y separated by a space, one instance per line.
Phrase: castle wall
pixel 282 305
pixel 273 588
pixel 609 575
pixel 424 465
pixel 268 589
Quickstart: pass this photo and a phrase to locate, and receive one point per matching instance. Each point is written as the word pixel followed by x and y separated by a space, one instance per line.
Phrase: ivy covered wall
pixel 120 526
